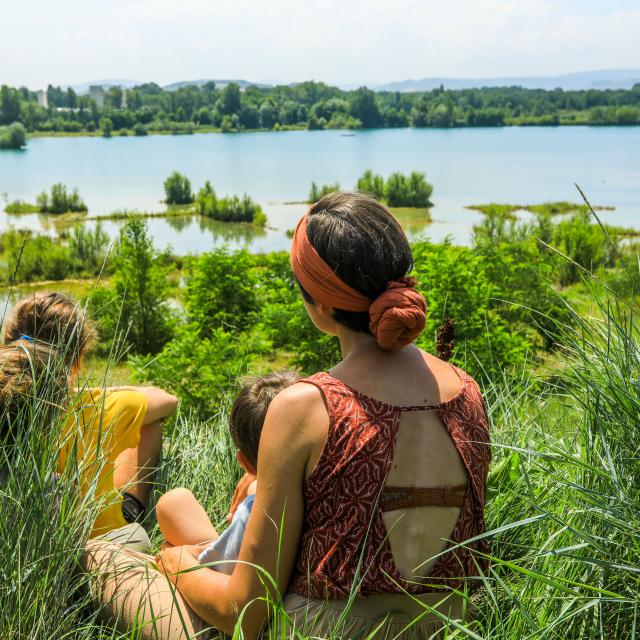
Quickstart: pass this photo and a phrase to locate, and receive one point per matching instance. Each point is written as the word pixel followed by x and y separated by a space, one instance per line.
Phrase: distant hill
pixel 219 83
pixel 605 79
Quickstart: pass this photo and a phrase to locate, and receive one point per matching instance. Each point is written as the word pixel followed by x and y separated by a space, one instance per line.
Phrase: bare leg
pixel 134 468
pixel 134 594
pixel 182 519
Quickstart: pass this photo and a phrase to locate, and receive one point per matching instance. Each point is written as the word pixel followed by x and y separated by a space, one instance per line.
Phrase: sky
pixel 341 42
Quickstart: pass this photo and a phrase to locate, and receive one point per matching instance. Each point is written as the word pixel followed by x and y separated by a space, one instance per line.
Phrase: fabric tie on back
pixel 397 315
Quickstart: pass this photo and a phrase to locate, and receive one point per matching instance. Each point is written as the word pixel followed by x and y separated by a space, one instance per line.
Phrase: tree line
pixel 309 105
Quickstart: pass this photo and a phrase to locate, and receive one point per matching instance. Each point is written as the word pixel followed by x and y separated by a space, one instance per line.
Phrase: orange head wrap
pixel 397 315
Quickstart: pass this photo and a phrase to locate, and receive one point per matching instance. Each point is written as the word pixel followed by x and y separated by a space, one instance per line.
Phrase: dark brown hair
pixel 27 372
pixel 53 319
pixel 250 409
pixel 363 243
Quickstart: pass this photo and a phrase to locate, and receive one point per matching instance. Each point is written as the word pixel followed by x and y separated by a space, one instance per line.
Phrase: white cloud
pixel 369 41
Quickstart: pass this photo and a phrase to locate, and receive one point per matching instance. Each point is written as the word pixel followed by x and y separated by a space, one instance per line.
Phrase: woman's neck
pixel 354 344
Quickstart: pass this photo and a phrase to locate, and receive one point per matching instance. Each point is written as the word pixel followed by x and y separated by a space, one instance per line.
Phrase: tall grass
pixel 564 506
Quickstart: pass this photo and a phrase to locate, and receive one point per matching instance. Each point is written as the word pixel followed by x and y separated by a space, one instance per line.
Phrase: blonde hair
pixel 33 380
pixel 54 319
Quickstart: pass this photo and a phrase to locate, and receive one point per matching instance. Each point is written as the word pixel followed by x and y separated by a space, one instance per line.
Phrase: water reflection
pixel 413 221
pixel 179 222
pixel 234 232
pixel 185 234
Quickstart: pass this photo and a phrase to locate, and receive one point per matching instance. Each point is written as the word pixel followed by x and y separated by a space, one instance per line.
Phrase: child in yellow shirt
pixel 111 436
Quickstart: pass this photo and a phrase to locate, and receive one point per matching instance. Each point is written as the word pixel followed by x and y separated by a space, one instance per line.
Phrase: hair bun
pixel 398 315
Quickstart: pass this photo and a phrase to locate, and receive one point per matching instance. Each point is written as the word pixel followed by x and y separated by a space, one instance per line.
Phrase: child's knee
pixel 172 500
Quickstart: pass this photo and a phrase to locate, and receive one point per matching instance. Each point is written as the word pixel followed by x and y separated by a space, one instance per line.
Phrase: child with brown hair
pixel 114 432
pixel 28 371
pixel 182 519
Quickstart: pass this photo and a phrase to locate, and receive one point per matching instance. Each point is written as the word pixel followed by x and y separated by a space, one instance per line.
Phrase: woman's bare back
pixel 425 455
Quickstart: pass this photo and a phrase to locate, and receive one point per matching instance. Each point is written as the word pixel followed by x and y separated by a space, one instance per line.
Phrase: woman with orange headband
pixel 369 509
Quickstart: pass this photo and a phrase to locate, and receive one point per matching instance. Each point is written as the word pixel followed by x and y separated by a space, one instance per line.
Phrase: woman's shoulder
pixel 296 413
pixel 296 404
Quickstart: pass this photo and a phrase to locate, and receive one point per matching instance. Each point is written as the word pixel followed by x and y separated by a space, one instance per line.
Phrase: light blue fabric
pixel 227 546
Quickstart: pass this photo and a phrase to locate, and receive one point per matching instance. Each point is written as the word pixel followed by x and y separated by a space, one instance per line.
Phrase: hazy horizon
pixel 98 81
pixel 282 41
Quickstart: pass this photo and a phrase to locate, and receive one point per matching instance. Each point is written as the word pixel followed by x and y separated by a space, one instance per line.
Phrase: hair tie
pixel 27 338
pixel 398 314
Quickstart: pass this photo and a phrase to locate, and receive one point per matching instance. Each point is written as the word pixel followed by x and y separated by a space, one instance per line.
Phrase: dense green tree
pixel 249 117
pixel 13 137
pixel 71 99
pixel 9 105
pixel 231 99
pixel 177 189
pixel 315 105
pixel 134 313
pixel 267 116
pixel 364 107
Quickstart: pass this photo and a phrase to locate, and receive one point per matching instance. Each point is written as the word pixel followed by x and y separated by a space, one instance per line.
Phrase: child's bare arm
pixel 160 403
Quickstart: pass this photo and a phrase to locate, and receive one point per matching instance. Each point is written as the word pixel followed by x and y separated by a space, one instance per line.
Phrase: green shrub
pixel 134 314
pixel 201 370
pixel 408 191
pixel 19 206
pixel 60 200
pixel 585 245
pixel 315 193
pixel 13 137
pixel 220 290
pixel 372 184
pixel 177 189
pixel 284 319
pixel 522 272
pixel 29 258
pixel 106 124
pixel 456 285
pixel 229 209
pixel 140 129
pixel 89 249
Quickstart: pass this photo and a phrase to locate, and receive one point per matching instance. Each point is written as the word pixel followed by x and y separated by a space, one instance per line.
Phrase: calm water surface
pixel 466 166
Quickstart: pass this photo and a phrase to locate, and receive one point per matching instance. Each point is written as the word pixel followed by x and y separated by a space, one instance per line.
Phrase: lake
pixel 525 165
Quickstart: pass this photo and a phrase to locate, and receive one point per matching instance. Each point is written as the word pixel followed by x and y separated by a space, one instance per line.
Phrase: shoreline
pixel 288 128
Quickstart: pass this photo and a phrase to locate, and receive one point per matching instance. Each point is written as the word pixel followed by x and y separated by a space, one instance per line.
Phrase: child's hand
pixel 241 492
pixel 175 560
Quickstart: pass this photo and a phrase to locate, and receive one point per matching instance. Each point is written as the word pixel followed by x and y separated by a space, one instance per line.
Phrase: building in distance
pixel 42 98
pixel 96 93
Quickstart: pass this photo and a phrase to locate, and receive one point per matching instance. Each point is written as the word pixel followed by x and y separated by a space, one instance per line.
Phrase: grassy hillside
pixel 552 338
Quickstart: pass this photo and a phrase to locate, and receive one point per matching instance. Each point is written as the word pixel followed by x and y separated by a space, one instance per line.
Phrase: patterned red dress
pixel 344 538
